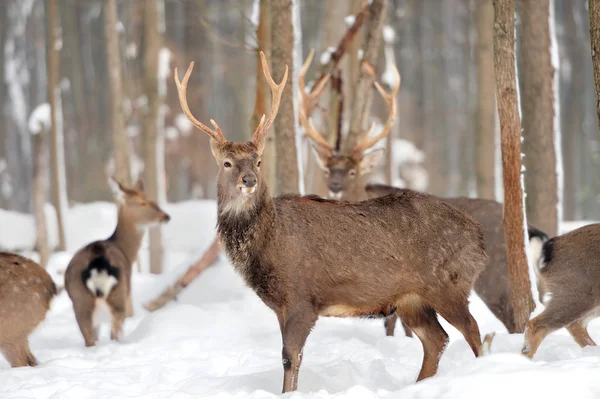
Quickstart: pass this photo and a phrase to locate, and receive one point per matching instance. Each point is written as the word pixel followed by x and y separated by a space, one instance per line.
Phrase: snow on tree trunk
pixel 282 46
pixel 112 27
pixel 537 91
pixel 57 148
pixel 40 185
pixel 510 127
pixel 486 103
pixel 298 60
pixel 156 70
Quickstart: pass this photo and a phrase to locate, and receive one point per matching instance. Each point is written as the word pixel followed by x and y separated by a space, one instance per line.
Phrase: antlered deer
pixel 567 277
pixel 26 290
pixel 346 173
pixel 99 275
pixel 307 257
pixel 492 286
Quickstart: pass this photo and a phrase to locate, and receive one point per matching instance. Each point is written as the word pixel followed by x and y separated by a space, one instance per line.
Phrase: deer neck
pixel 245 231
pixel 357 190
pixel 127 236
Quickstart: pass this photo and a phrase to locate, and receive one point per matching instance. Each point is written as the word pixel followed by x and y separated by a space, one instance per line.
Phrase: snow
pixel 183 124
pixel 164 70
pixel 219 340
pixel 389 35
pixel 349 20
pixel 557 134
pixel 40 119
pixel 326 55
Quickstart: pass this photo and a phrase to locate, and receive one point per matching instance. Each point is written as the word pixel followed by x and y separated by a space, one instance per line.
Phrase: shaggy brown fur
pixel 26 290
pixel 118 253
pixel 492 286
pixel 568 277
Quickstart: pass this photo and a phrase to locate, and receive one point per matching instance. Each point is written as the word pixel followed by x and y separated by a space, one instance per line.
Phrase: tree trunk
pixel 282 42
pixel 364 93
pixel 153 136
pixel 115 82
pixel 59 182
pixel 486 102
pixel 594 11
pixel 262 100
pixel 537 92
pixel 510 141
pixel 39 194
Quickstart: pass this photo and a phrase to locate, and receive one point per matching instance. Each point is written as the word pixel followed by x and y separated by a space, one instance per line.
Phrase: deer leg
pixel 422 320
pixel 129 306
pixel 579 331
pixel 457 313
pixel 118 318
pixel 390 324
pixel 17 354
pixel 83 315
pixel 407 331
pixel 295 331
pixel 561 311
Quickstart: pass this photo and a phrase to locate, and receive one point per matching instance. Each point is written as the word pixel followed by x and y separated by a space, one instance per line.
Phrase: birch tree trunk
pixel 153 136
pixel 510 141
pixel 364 93
pixel 537 92
pixel 115 81
pixel 40 168
pixel 486 102
pixel 282 43
pixel 57 155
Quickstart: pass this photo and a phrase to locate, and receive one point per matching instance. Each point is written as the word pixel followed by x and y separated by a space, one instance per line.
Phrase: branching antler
pixel 276 91
pixel 307 102
pixel 390 99
pixel 216 134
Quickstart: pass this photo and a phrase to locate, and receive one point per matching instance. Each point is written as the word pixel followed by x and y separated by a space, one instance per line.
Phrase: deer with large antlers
pixel 307 257
pixel 346 173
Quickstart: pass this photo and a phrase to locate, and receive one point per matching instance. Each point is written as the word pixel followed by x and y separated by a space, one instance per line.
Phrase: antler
pixel 216 134
pixel 390 99
pixel 307 100
pixel 276 91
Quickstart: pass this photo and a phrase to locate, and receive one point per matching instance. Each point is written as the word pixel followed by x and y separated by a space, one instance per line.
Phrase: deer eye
pixel 227 164
pixel 326 172
pixel 258 164
pixel 352 173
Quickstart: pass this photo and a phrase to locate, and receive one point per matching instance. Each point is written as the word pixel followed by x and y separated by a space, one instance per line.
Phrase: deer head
pixel 238 179
pixel 343 171
pixel 142 210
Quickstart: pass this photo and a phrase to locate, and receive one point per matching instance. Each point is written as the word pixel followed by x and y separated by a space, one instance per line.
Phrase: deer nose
pixel 335 187
pixel 166 218
pixel 249 181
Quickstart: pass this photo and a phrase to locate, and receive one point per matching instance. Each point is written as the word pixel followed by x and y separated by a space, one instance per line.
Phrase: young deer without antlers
pixel 99 275
pixel 26 290
pixel 307 257
pixel 492 285
pixel 567 279
pixel 346 173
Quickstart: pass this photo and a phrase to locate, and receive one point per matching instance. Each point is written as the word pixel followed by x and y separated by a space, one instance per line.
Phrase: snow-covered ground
pixel 219 340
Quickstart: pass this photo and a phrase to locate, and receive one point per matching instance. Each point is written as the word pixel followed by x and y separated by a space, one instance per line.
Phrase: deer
pixel 307 257
pixel 346 174
pixel 98 277
pixel 492 285
pixel 567 279
pixel 26 292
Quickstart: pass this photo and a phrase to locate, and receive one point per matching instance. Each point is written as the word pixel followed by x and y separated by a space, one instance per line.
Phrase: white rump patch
pixel 101 281
pixel 535 252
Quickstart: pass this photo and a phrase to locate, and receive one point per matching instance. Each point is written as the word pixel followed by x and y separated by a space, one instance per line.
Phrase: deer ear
pixel 216 151
pixel 369 161
pixel 322 156
pixel 117 189
pixel 139 185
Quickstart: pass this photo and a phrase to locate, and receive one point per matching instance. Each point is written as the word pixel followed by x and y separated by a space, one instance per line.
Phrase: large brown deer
pixel 26 290
pixel 99 275
pixel 492 285
pixel 307 257
pixel 568 276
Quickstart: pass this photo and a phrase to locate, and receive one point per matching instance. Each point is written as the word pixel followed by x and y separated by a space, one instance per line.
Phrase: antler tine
pixel 216 134
pixel 390 99
pixel 307 98
pixel 276 92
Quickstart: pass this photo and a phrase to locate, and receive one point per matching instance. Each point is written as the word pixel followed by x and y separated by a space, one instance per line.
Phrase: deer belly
pixel 358 311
